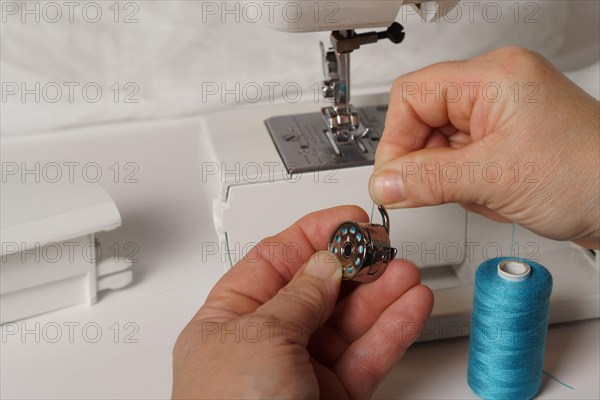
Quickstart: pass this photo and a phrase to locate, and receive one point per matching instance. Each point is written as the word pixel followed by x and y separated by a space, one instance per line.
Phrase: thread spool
pixel 509 325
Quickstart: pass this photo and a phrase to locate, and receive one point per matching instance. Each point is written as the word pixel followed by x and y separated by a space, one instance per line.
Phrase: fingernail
pixel 324 265
pixel 386 188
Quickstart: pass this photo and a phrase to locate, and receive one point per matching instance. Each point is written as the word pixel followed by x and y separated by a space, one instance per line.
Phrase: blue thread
pixel 558 380
pixel 508 332
pixel 512 241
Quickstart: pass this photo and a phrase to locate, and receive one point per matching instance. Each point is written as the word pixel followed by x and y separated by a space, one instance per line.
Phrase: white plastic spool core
pixel 513 270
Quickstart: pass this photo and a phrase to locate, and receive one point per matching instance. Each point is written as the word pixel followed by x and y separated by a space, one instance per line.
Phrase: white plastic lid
pixel 34 214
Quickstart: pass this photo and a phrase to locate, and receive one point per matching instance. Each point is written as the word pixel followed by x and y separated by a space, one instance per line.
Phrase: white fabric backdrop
pixel 171 54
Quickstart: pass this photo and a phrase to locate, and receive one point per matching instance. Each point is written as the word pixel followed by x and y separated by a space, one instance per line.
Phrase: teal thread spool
pixel 508 332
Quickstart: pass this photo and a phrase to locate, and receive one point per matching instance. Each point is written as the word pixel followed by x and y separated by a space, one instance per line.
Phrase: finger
pixel 431 177
pixel 272 263
pixel 421 101
pixel 357 313
pixel 436 139
pixel 368 360
pixel 451 93
pixel 330 386
pixel 307 301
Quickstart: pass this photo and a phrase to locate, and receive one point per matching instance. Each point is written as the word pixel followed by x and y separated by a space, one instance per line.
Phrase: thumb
pixel 430 177
pixel 308 299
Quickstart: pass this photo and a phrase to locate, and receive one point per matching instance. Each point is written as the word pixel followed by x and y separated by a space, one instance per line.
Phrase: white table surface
pixel 168 217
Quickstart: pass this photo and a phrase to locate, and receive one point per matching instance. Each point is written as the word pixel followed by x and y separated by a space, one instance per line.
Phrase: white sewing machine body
pixel 326 15
pixel 255 197
pixel 273 163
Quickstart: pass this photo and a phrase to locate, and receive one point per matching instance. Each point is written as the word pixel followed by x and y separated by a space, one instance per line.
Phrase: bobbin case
pixel 363 248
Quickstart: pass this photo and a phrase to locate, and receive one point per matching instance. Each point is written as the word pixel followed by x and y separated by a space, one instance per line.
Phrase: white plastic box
pixel 49 256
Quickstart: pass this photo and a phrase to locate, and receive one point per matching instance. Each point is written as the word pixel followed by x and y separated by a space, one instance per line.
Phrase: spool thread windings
pixel 508 332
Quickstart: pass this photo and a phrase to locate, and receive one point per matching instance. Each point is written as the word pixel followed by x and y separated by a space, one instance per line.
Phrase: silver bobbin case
pixel 363 248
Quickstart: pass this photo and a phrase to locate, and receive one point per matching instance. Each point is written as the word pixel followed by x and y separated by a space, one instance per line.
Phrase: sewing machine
pixel 273 163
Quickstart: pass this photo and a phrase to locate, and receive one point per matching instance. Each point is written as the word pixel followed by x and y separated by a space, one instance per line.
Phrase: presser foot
pixel 343 124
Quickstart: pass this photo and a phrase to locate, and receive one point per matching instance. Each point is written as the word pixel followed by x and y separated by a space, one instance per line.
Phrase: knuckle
pixel 511 51
pixel 398 87
pixel 181 347
pixel 397 84
pixel 513 59
pixel 446 65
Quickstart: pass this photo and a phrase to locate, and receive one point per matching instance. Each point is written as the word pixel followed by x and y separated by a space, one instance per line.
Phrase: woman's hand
pixel 505 134
pixel 275 327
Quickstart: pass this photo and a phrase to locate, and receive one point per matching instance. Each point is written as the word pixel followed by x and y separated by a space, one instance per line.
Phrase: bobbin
pixel 363 248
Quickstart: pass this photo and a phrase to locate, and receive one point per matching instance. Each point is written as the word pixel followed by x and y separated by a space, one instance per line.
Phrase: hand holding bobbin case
pixel 363 248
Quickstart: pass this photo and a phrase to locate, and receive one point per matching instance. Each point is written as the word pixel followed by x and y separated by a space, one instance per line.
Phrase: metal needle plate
pixel 304 146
